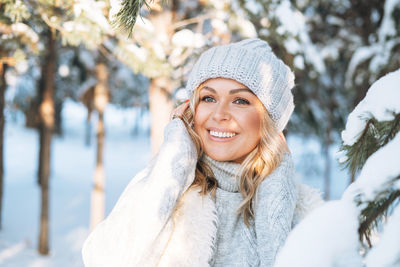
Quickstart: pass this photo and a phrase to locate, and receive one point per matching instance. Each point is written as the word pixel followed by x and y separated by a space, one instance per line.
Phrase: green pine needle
pixel 376 211
pixel 375 135
pixel 126 18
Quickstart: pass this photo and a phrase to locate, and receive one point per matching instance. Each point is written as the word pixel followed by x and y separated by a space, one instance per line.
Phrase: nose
pixel 221 112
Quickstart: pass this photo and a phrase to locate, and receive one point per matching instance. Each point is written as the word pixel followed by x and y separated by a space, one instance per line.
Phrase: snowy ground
pixel 71 179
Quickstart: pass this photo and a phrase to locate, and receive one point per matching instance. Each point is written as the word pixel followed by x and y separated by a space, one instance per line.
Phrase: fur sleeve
pixel 139 222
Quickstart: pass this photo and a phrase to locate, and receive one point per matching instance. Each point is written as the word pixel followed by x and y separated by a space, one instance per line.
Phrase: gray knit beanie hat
pixel 252 63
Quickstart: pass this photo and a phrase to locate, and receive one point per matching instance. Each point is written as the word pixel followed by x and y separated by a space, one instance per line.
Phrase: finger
pixel 181 109
pixel 178 112
pixel 281 135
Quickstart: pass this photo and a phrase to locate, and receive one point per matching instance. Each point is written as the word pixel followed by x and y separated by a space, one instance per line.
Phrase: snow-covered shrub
pixel 339 232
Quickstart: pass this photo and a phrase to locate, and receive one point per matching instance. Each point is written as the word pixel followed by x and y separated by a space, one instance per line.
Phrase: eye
pixel 207 99
pixel 241 101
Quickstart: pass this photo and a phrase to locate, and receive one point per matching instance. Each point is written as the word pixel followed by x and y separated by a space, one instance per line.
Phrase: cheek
pixel 199 118
pixel 252 123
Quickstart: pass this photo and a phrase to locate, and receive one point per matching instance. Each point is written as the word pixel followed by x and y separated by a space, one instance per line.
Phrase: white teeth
pixel 222 134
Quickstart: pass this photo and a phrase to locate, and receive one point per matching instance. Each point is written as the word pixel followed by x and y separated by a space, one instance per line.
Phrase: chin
pixel 221 156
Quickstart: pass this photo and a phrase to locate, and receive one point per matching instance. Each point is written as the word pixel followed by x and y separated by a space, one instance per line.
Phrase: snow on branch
pixel 382 101
pixel 332 235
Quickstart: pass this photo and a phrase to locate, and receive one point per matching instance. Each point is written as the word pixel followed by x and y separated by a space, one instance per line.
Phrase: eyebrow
pixel 231 92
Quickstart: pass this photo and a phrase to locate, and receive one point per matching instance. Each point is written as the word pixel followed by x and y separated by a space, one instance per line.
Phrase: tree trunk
pixel 161 88
pixel 3 85
pixel 161 106
pixel 327 172
pixel 46 112
pixel 100 103
pixel 58 130
pixel 88 128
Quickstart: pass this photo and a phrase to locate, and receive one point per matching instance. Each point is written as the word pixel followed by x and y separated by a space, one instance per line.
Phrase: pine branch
pixel 375 135
pixel 371 216
pixel 126 18
pixel 394 130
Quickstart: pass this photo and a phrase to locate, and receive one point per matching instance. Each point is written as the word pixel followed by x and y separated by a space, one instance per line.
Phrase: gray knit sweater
pixel 140 230
pixel 238 245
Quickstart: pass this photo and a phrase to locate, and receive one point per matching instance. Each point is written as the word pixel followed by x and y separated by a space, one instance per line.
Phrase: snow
pixel 70 186
pixel 158 50
pixel 253 6
pixel 287 17
pixel 324 225
pixel 22 66
pixel 382 55
pixel 299 62
pixel 293 22
pixel 386 252
pixel 71 182
pixel 63 70
pixel 246 28
pixel 93 11
pixel 387 27
pixel 21 28
pixel 145 25
pixel 187 38
pixel 292 45
pixel 219 25
pixel 139 52
pixel 329 235
pixel 115 8
pixel 380 50
pixel 381 100
pixel 377 173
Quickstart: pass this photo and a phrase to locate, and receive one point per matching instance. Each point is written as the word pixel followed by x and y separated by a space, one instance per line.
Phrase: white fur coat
pixel 158 221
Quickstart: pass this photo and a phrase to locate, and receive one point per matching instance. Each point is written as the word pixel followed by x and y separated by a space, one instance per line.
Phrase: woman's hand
pixel 178 112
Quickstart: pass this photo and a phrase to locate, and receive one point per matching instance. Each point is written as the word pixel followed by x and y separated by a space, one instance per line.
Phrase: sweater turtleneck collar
pixel 225 172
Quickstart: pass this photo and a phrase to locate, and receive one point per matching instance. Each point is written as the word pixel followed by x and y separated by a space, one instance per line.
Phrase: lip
pixel 221 139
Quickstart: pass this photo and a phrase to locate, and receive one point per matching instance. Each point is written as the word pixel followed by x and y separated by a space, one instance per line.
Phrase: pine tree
pixel 360 229
pixel 17 40
pixel 375 135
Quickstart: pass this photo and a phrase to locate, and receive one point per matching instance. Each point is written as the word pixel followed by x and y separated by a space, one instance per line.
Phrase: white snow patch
pixel 115 8
pixel 12 251
pixel 381 100
pixel 377 173
pixel 299 62
pixel 323 224
pixel 93 11
pixel 139 52
pixel 246 28
pixel 294 23
pixel 253 6
pixel 21 28
pixel 219 25
pixel 292 45
pixel 387 251
pixel 387 27
pixel 187 38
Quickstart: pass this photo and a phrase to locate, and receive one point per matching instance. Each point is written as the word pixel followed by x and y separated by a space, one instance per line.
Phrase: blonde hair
pixel 254 169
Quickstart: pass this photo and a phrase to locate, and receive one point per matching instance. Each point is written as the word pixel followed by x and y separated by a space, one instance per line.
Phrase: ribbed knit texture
pixel 142 231
pixel 252 63
pixel 238 245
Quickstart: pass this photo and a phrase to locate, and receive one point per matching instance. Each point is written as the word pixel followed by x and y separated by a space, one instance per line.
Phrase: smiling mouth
pixel 222 134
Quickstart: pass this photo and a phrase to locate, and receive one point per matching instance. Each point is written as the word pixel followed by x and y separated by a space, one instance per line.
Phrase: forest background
pixel 63 62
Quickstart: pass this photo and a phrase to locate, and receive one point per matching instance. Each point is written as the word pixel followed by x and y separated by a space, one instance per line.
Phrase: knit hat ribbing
pixel 252 63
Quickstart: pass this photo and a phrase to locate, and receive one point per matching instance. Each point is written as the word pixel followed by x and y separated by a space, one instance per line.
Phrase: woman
pixel 221 191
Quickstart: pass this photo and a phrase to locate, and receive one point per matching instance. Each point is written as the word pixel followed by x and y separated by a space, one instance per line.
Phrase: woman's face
pixel 228 119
